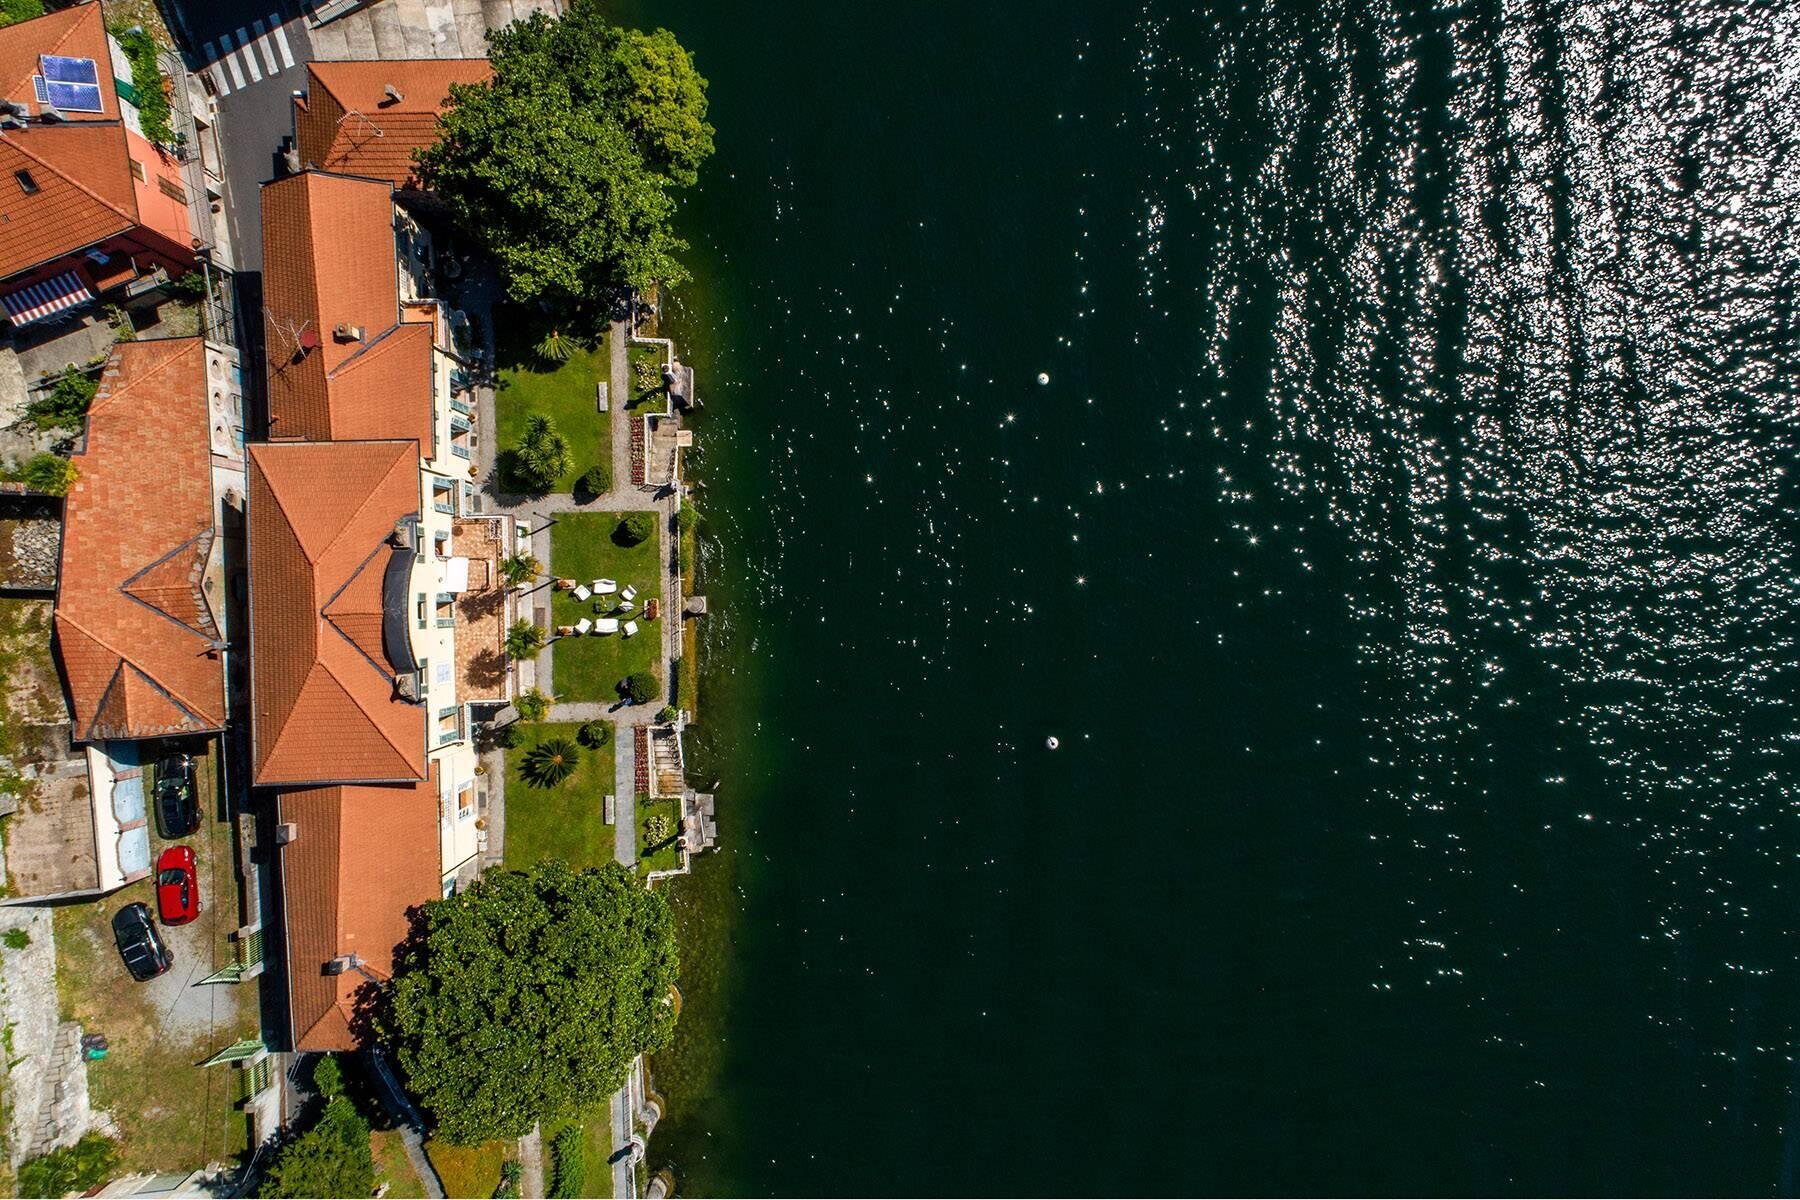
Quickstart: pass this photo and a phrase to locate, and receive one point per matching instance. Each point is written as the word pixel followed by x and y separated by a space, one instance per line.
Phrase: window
pixel 171 189
pixel 449 725
pixel 443 495
pixel 421 610
pixel 446 610
pixel 137 171
pixel 462 437
pixel 465 801
pixel 27 184
pixel 441 544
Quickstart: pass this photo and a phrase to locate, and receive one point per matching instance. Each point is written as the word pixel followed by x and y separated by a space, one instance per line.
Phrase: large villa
pixel 368 660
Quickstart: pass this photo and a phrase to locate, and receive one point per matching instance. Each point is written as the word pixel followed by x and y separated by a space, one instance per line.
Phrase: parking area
pixel 172 1112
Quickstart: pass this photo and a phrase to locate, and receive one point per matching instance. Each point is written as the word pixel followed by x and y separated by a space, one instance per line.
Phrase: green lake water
pixel 1402 551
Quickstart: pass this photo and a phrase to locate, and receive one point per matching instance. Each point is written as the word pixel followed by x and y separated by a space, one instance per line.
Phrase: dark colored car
pixel 139 944
pixel 177 886
pixel 177 807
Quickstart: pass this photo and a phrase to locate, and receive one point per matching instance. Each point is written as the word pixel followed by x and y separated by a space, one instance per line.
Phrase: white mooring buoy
pixel 1051 743
pixel 1043 378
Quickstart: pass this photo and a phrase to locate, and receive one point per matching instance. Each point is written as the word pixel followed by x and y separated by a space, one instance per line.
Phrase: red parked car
pixel 177 886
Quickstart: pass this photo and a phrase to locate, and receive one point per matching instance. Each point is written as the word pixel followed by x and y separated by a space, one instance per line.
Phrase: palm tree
pixel 555 348
pixel 550 762
pixel 520 568
pixel 523 639
pixel 543 453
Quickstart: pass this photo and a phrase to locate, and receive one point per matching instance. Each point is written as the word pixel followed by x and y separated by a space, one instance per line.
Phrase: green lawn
pixel 469 1170
pixel 564 393
pixel 582 548
pixel 660 855
pixel 567 821
pixel 393 1167
pixel 645 380
pixel 596 1153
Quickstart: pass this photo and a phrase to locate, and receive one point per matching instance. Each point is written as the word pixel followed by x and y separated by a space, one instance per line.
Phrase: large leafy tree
pixel 528 996
pixel 330 1159
pixel 562 164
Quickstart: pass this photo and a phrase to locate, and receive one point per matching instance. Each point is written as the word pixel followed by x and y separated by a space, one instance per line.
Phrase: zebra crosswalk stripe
pixel 262 45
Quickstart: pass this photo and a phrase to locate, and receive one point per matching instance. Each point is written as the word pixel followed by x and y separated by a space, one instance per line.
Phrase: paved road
pixel 253 53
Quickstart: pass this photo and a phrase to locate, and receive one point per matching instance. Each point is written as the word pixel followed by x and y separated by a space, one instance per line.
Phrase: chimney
pixel 391 94
pixel 286 832
pixel 342 963
pixel 348 332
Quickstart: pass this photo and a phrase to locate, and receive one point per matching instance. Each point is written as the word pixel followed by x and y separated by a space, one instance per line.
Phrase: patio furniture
pixel 607 625
pixel 630 593
pixel 565 585
pixel 650 610
pixel 605 587
pixel 565 631
pixel 631 629
pixel 581 591
pixel 583 625
pixel 626 606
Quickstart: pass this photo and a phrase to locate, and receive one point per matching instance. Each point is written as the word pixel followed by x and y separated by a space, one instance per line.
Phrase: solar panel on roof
pixel 75 97
pixel 58 69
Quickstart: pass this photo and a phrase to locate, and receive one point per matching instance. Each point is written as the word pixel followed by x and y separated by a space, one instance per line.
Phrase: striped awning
pixel 46 298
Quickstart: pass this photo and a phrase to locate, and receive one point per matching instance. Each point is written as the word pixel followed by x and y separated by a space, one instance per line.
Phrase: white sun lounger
pixel 606 625
pixel 626 606
pixel 605 587
pixel 631 629
pixel 581 591
pixel 630 593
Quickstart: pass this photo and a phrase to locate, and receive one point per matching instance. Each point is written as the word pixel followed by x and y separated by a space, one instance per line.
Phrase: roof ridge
pixel 319 664
pixel 368 347
pixel 407 445
pixel 191 588
pixel 19 145
pixel 125 660
pixel 269 478
pixel 154 370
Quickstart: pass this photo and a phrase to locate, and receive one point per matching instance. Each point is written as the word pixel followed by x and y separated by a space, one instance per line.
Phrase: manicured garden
pixel 646 381
pixel 658 825
pixel 567 820
pixel 586 547
pixel 530 384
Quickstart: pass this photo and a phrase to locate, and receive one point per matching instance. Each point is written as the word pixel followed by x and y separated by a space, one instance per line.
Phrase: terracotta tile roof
pixel 346 121
pixel 81 165
pixel 329 261
pixel 363 856
pixel 75 32
pixel 134 626
pixel 325 708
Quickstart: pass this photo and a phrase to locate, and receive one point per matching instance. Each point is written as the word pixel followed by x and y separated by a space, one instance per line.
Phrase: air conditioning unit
pixel 348 332
pixel 342 963
pixel 286 832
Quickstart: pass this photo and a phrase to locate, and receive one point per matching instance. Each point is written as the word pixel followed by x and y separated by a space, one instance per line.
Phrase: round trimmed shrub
pixel 594 734
pixel 634 529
